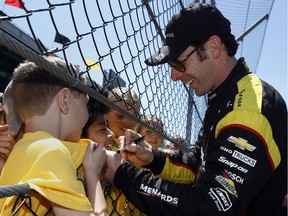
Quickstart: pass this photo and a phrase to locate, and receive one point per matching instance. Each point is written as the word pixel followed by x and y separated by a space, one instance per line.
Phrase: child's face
pixel 77 118
pixel 99 132
pixel 118 123
pixel 152 138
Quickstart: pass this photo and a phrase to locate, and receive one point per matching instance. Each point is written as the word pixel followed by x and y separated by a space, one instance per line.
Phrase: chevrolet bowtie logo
pixel 241 143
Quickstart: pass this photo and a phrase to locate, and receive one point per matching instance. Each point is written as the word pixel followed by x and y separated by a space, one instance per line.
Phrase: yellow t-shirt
pixel 49 166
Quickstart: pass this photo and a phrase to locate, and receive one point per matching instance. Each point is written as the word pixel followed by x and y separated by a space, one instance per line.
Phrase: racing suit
pixel 239 167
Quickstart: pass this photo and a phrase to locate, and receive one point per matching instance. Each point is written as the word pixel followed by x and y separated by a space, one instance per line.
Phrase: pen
pixel 136 141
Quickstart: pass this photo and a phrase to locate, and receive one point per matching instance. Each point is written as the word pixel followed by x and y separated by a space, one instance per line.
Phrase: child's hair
pixel 180 143
pixel 126 95
pixel 152 120
pixel 34 88
pixel 95 109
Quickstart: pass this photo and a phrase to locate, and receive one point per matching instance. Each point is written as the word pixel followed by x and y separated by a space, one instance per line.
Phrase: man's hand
pixel 140 154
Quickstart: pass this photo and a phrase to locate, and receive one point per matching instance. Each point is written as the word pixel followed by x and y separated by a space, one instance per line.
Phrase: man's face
pixel 198 71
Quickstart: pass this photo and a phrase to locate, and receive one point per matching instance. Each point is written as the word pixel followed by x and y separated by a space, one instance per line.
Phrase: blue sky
pixel 272 65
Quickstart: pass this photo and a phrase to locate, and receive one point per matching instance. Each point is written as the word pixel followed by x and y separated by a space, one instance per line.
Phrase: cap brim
pixel 165 54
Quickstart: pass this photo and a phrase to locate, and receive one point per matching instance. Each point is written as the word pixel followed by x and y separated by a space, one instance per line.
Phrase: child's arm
pixel 93 162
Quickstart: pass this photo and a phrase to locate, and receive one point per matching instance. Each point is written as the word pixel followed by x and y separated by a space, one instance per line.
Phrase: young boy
pixel 96 128
pixel 118 123
pixel 50 155
pixel 152 138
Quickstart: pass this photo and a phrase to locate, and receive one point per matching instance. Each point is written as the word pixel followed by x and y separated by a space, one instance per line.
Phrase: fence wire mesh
pixel 109 41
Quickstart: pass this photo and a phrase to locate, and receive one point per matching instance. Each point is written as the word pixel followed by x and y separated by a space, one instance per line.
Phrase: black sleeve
pixel 155 196
pixel 235 173
pixel 181 159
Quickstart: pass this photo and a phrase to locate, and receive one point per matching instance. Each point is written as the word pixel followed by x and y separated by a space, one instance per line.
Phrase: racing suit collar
pixel 240 70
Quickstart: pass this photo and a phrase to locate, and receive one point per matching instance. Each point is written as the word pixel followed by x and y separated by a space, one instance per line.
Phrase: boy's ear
pixel 64 99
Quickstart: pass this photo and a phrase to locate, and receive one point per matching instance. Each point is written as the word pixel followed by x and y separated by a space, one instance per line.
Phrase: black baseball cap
pixel 197 21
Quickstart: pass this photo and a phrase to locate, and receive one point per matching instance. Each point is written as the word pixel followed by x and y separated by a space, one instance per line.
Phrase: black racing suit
pixel 239 166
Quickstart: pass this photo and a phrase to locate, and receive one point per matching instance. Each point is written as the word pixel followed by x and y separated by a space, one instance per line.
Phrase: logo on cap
pixel 160 56
pixel 170 35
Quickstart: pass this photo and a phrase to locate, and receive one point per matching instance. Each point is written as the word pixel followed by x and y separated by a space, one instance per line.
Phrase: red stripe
pixel 182 165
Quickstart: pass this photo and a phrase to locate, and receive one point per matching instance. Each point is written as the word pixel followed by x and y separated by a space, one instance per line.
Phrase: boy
pixel 50 152
pixel 96 127
pixel 152 138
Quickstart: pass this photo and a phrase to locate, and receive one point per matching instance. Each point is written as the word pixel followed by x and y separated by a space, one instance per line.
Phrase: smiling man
pixel 239 164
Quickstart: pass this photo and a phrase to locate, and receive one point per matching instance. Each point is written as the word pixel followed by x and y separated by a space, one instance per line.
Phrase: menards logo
pixel 154 192
pixel 241 143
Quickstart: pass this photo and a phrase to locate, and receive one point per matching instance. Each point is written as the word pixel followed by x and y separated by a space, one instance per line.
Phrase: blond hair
pixel 128 96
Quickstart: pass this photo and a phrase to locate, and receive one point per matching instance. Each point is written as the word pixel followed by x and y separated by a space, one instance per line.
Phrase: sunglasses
pixel 178 64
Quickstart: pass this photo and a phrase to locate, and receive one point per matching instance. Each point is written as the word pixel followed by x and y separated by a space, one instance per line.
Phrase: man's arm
pixel 232 178
pixel 174 165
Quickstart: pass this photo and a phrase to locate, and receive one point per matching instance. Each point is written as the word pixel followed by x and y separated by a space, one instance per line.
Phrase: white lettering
pixel 236 178
pixel 220 198
pixel 226 149
pixel 157 193
pixel 232 164
pixel 244 158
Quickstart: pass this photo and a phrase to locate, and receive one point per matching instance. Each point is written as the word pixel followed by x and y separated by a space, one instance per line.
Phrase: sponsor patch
pixel 226 149
pixel 220 198
pixel 232 164
pixel 228 184
pixel 154 192
pixel 241 143
pixel 235 177
pixel 244 158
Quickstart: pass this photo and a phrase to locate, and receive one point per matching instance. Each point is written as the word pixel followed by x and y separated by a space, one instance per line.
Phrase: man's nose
pixel 175 74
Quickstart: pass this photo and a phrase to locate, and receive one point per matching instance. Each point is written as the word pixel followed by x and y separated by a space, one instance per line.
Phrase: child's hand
pixel 94 158
pixel 7 141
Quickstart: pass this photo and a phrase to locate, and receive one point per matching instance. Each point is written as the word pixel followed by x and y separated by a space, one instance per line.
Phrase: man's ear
pixel 215 46
pixel 64 99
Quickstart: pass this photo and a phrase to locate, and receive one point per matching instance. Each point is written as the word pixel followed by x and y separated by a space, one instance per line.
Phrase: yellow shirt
pixel 49 166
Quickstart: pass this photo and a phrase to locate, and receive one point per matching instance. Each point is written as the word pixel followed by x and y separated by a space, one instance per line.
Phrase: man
pixel 242 166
